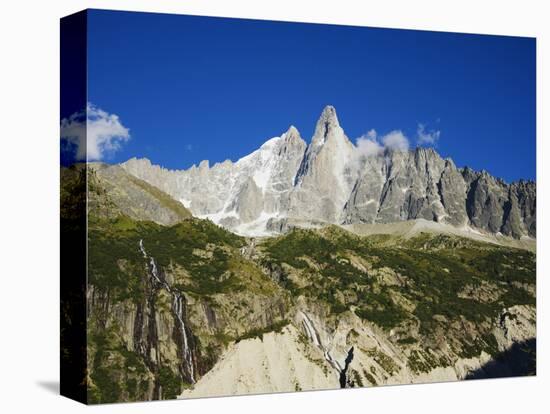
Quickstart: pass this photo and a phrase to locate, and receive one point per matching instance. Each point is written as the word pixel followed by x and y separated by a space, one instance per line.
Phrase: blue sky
pixel 193 88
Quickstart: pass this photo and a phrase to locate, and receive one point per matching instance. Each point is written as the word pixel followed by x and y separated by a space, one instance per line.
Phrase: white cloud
pixel 93 134
pixel 396 141
pixel 370 144
pixel 425 137
pixel 372 134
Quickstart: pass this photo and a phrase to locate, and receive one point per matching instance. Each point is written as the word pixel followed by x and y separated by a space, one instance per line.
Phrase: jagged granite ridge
pixel 329 181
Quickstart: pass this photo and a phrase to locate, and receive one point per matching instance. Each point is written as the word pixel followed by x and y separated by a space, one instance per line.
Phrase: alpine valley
pixel 303 267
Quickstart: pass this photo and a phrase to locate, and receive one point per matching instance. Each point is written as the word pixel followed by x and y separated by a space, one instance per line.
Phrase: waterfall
pixel 178 310
pixel 314 337
pixel 310 330
pixel 333 363
pixel 153 265
pixel 177 305
pixel 142 249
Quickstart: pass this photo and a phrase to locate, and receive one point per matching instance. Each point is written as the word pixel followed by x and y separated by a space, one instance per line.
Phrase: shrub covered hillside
pixel 435 275
pixel 431 289
pixel 165 301
pixel 169 296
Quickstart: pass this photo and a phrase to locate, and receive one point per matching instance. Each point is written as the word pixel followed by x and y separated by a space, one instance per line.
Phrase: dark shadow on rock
pixel 518 361
pixel 51 386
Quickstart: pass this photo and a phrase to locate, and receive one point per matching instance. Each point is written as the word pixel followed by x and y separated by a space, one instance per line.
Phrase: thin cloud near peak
pixel 370 144
pixel 425 137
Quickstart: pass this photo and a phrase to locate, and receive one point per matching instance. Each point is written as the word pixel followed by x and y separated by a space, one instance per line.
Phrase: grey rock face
pixel 287 181
pixel 131 196
pixel 496 206
pixel 485 202
pixel 323 181
pixel 452 190
pixel 249 202
pixel 399 186
pixel 526 195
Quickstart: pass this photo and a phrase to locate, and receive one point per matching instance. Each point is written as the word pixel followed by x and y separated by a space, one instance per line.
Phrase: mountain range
pixel 288 183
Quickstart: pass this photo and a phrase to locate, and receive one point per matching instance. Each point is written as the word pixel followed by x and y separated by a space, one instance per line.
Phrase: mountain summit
pixel 287 183
pixel 324 170
pixel 327 126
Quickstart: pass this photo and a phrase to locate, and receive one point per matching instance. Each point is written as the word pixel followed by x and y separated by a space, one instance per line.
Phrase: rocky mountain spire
pixel 292 137
pixel 329 138
pixel 326 126
pixel 292 132
pixel 324 170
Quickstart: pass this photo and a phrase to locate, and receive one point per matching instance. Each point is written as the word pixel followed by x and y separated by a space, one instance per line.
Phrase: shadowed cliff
pixel 519 360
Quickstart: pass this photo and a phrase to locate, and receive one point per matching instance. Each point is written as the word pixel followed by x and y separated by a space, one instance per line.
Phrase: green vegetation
pixel 435 291
pixel 487 343
pixel 357 379
pixel 369 378
pixel 381 309
pixel 119 374
pixel 116 265
pixel 259 332
pixel 72 196
pixel 112 359
pixel 170 382
pixel 383 360
pixel 407 341
pixel 429 272
pixel 425 360
pixel 202 259
pixel 299 243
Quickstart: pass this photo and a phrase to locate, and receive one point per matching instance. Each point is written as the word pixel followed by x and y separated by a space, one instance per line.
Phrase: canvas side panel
pixel 73 205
